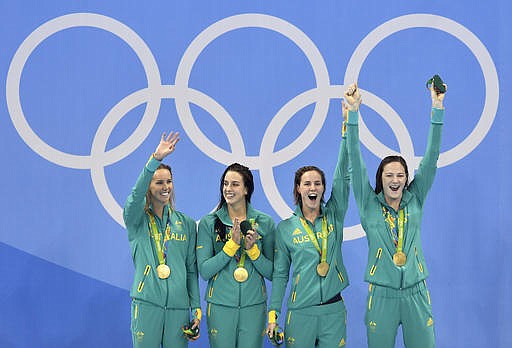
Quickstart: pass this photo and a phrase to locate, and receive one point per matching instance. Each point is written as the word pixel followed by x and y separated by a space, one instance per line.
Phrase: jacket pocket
pixel 378 255
pixel 340 274
pixel 144 276
pixel 420 266
pixel 210 290
pixel 371 288
pixel 294 290
pixel 208 310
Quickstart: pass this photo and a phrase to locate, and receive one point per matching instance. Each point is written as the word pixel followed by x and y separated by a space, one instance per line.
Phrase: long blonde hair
pixel 172 197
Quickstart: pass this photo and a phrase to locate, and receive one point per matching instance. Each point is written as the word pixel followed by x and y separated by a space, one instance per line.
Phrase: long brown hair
pixel 298 176
pixel 246 176
pixel 387 160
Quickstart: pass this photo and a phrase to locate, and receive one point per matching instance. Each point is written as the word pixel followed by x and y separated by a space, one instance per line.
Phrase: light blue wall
pixel 88 87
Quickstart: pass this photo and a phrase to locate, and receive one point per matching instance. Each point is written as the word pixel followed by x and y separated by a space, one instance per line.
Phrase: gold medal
pixel 240 274
pixel 399 258
pixel 322 268
pixel 163 271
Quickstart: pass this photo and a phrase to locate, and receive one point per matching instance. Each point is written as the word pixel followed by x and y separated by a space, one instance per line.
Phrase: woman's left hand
pixel 197 322
pixel 251 238
pixel 437 98
pixel 167 145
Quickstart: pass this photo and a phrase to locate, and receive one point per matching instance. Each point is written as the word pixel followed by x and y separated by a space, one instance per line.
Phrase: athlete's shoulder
pixel 289 223
pixel 185 220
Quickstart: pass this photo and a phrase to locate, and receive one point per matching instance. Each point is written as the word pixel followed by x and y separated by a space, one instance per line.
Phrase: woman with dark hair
pixel 163 242
pixel 391 217
pixel 309 242
pixel 235 249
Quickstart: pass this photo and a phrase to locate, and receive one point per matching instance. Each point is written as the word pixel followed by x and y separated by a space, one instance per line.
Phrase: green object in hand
pixel 277 337
pixel 189 331
pixel 438 83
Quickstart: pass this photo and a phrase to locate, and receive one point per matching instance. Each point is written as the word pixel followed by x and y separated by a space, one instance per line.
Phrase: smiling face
pixel 233 189
pixel 394 179
pixel 161 187
pixel 310 190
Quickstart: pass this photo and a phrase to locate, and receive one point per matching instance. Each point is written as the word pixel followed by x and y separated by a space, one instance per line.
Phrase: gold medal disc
pixel 240 274
pixel 322 268
pixel 399 258
pixel 163 271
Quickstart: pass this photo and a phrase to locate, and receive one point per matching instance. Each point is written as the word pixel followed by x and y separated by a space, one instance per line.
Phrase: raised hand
pixel 353 97
pixel 437 98
pixel 235 232
pixel 251 238
pixel 167 145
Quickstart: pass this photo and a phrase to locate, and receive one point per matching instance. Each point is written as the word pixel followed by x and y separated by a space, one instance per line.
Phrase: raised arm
pixel 133 212
pixel 425 174
pixel 341 178
pixel 360 183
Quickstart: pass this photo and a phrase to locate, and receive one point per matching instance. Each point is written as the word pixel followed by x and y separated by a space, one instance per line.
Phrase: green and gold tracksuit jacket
pixel 181 289
pixel 295 249
pixel 217 260
pixel 380 269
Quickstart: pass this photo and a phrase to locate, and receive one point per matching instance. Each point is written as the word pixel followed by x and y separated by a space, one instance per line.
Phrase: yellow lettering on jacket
pixel 300 239
pixel 319 234
pixel 179 237
pixel 228 236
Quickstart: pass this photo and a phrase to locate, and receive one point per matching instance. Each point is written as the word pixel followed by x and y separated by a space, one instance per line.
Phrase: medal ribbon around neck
pixel 240 274
pixel 401 223
pixel 312 237
pixel 241 262
pixel 398 236
pixel 160 246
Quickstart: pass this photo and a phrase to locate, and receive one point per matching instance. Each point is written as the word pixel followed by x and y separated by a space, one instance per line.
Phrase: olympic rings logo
pixel 184 95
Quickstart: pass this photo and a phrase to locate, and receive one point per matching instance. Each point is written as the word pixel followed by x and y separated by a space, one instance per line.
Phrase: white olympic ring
pixel 25 50
pixel 471 41
pixel 183 95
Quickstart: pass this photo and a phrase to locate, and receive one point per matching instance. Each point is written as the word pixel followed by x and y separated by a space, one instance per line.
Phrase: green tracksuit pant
pixel 154 327
pixel 388 308
pixel 231 327
pixel 322 326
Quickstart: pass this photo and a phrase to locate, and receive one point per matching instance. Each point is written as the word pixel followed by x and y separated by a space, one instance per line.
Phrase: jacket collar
pixel 298 211
pixel 223 214
pixel 406 197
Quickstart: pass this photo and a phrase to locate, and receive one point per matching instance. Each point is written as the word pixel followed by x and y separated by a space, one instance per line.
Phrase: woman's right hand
pixel 270 329
pixel 235 231
pixel 352 97
pixel 166 146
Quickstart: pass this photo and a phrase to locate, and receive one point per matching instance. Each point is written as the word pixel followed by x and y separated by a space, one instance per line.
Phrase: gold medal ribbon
pixel 240 274
pixel 401 223
pixel 312 237
pixel 241 262
pixel 398 236
pixel 160 246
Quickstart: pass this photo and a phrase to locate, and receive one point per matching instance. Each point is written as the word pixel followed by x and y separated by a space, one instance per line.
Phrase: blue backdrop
pixel 89 86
